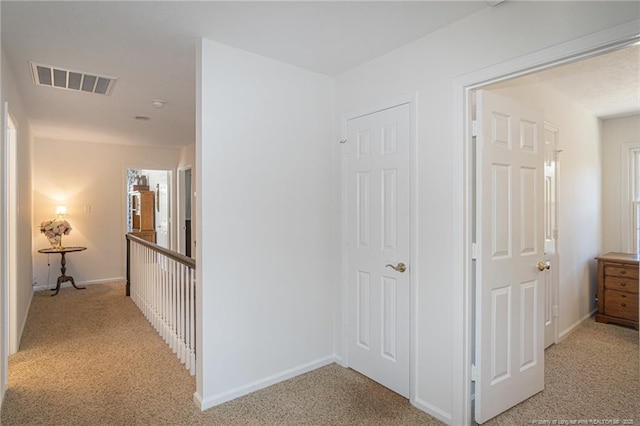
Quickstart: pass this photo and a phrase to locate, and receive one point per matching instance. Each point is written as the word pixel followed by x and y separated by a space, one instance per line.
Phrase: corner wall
pixel 266 219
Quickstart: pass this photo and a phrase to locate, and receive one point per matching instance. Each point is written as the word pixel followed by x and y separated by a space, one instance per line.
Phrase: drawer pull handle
pixel 622 284
pixel 624 305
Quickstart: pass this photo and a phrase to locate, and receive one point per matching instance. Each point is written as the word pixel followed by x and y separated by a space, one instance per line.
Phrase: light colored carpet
pixel 89 357
pixel 591 378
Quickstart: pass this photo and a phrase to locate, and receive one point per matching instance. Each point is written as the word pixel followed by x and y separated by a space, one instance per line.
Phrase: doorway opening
pixel 185 200
pixel 148 205
pixel 469 84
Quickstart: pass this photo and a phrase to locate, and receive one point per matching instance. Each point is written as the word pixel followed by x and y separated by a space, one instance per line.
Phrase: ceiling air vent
pixel 47 75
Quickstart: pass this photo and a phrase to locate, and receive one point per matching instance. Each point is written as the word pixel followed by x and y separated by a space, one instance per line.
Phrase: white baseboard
pixel 432 410
pixel 212 401
pixel 563 335
pixel 22 322
pixel 82 283
pixel 24 319
pixel 338 360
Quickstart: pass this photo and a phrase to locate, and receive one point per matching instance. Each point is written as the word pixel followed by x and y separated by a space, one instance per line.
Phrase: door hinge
pixel 474 373
pixel 474 251
pixel 474 128
pixel 555 311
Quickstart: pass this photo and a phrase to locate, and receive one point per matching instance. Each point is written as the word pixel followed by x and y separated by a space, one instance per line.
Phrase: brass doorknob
pixel 543 265
pixel 400 267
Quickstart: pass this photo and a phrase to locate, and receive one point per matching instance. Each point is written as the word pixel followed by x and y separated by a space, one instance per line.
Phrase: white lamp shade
pixel 61 210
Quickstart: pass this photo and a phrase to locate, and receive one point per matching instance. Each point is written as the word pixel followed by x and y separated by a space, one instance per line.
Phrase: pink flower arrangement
pixel 55 228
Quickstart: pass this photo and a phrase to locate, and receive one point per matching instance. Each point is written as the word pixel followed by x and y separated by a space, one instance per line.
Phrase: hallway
pixel 89 357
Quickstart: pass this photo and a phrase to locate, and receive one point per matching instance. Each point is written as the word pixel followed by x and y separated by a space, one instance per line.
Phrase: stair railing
pixel 161 283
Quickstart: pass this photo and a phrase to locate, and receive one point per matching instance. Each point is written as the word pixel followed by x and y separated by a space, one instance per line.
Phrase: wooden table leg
pixel 64 278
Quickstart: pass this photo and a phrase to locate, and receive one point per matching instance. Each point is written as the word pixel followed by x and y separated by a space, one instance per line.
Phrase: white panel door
pixel 378 246
pixel 510 224
pixel 163 219
pixel 551 275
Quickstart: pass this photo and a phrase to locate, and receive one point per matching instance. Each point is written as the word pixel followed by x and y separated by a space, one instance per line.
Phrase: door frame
pixel 180 208
pixel 462 171
pixel 171 204
pixel 11 239
pixel 555 268
pixel 411 100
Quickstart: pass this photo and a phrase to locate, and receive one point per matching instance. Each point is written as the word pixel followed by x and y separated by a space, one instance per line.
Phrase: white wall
pixel 579 196
pixel 82 173
pixel 616 132
pixel 24 197
pixel 265 245
pixel 429 67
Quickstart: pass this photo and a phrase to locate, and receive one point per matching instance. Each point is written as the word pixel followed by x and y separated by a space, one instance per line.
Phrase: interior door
pixel 162 213
pixel 378 246
pixel 551 234
pixel 184 211
pixel 510 236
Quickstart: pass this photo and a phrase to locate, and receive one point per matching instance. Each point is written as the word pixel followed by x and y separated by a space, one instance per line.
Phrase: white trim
pixel 580 48
pixel 223 397
pixel 564 334
pixel 11 197
pixel 180 233
pixel 627 194
pixel 4 343
pixel 115 280
pixel 432 410
pixel 635 219
pixel 556 268
pixel 23 323
pixel 410 99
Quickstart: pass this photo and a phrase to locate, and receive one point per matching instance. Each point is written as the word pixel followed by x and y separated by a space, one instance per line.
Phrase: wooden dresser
pixel 143 215
pixel 618 289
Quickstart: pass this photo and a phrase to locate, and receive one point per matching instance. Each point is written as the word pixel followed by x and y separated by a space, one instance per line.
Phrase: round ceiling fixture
pixel 157 103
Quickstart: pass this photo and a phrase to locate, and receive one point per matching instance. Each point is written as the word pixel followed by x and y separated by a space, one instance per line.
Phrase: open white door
pixel 510 239
pixel 551 234
pixel 378 246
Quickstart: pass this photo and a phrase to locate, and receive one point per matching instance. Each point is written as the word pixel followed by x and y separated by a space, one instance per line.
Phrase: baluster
pixel 163 288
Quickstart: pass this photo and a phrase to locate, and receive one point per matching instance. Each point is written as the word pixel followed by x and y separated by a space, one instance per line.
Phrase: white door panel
pixel 378 228
pixel 510 222
pixel 551 276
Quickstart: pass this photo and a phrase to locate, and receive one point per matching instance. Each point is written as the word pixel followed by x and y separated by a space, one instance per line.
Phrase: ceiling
pixel 150 47
pixel 608 85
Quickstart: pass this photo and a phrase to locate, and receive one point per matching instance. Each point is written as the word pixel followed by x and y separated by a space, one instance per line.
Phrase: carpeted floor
pixel 591 377
pixel 90 358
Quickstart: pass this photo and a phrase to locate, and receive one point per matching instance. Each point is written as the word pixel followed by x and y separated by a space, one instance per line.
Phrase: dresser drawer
pixel 622 271
pixel 621 304
pixel 621 284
